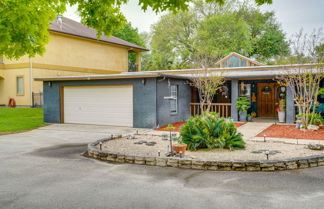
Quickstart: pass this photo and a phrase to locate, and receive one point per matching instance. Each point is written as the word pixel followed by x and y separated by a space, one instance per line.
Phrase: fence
pixel 37 99
pixel 223 109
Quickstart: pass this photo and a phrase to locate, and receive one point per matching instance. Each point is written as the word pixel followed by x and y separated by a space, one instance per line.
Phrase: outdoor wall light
pixel 100 145
pixel 143 81
pixel 49 84
pixel 264 138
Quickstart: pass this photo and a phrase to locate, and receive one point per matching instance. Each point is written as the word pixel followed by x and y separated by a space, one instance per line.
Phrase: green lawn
pixel 20 119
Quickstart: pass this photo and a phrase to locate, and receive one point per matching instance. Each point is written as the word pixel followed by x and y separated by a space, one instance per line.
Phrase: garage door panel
pixel 104 105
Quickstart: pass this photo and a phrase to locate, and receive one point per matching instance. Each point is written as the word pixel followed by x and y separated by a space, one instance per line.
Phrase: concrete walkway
pixel 251 129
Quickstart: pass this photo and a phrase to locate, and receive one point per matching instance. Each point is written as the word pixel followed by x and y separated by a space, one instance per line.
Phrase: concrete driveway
pixel 43 169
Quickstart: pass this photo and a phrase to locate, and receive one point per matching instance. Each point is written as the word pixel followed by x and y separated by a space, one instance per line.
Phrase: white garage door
pixel 101 105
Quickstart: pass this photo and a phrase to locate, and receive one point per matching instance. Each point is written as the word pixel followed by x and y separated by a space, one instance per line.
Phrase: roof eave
pixel 71 34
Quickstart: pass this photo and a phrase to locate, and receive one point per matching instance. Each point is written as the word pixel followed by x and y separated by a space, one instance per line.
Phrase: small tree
pixel 304 81
pixel 208 84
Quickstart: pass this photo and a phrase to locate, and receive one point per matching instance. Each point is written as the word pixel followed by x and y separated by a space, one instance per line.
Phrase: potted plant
pixel 180 147
pixel 242 105
pixel 281 109
pixel 249 117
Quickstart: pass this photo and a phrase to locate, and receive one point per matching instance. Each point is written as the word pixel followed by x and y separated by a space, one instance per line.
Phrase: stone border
pixel 224 165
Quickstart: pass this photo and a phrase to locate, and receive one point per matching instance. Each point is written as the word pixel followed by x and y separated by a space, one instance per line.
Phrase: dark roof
pixel 72 27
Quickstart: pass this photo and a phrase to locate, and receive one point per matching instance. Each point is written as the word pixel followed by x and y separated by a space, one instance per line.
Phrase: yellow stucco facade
pixel 65 55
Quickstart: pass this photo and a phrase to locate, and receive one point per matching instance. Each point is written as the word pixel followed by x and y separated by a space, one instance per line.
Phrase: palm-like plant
pixel 210 131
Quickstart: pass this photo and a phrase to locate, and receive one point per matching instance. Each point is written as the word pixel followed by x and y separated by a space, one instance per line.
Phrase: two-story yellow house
pixel 73 50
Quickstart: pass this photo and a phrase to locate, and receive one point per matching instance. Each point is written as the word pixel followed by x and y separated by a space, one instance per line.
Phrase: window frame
pixel 23 85
pixel 174 97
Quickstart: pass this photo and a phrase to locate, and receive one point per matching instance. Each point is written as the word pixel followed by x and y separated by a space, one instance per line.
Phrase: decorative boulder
pixel 312 127
pixel 316 146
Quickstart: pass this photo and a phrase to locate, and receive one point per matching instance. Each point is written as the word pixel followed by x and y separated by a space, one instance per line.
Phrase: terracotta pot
pixel 179 147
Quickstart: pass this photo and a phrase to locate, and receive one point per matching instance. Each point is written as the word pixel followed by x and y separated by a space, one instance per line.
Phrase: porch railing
pixel 223 109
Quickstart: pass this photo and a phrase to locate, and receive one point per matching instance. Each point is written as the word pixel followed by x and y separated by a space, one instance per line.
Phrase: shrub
pixel 314 118
pixel 242 104
pixel 210 131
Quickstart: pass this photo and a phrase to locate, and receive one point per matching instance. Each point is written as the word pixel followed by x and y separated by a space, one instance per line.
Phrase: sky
pixel 291 14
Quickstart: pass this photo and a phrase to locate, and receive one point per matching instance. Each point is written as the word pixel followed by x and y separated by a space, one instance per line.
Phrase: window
pixel 243 63
pixel 20 85
pixel 234 61
pixel 174 99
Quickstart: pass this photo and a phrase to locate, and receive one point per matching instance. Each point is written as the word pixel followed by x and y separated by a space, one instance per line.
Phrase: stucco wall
pixel 164 116
pixel 144 99
pixel 8 86
pixel 72 51
pixel 8 83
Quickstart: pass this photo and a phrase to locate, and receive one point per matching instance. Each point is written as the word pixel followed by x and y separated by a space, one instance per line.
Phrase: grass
pixel 20 119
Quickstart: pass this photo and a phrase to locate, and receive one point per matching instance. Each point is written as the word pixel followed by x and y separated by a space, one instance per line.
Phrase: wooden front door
pixel 266 100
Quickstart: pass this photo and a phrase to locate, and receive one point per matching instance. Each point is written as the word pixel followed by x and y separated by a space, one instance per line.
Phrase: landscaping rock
pixel 120 158
pixel 129 159
pixel 312 127
pixel 161 162
pixel 173 162
pixel 315 146
pixel 198 164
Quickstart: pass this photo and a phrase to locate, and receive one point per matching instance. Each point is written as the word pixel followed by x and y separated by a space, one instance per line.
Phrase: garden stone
pixel 253 168
pixel 150 160
pixel 120 158
pixel 162 162
pixel 172 162
pixel 129 159
pixel 312 127
pixel 239 166
pixel 315 146
pixel 198 164
pixel 185 163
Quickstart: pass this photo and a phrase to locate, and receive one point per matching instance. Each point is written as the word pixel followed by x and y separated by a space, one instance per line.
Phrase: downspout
pixel 31 81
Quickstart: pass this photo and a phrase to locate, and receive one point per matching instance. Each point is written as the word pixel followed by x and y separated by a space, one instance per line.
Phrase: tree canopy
pixel 208 31
pixel 24 23
pixel 130 34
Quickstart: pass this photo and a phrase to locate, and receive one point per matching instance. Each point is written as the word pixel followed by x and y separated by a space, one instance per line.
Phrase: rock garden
pixel 206 142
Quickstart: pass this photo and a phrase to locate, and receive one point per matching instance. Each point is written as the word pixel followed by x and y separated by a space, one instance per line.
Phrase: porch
pixel 263 94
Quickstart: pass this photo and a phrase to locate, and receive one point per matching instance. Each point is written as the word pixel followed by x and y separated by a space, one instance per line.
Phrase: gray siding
pixel 164 116
pixel 144 99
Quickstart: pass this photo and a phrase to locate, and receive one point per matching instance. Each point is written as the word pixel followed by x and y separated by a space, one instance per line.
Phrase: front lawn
pixel 20 119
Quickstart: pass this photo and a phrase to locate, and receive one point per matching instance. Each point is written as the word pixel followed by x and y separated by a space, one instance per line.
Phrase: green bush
pixel 210 131
pixel 314 118
pixel 243 104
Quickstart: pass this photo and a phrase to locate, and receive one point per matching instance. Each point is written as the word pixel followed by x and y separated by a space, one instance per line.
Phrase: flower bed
pixel 290 132
pixel 178 125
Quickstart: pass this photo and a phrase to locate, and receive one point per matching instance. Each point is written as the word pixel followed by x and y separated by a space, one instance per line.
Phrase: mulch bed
pixel 177 126
pixel 289 131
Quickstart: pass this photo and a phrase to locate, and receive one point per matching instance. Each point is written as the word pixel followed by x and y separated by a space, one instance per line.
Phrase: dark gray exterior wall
pixel 144 99
pixel 164 116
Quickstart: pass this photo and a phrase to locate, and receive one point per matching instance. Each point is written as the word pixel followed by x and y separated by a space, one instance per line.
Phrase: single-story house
pixel 157 98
